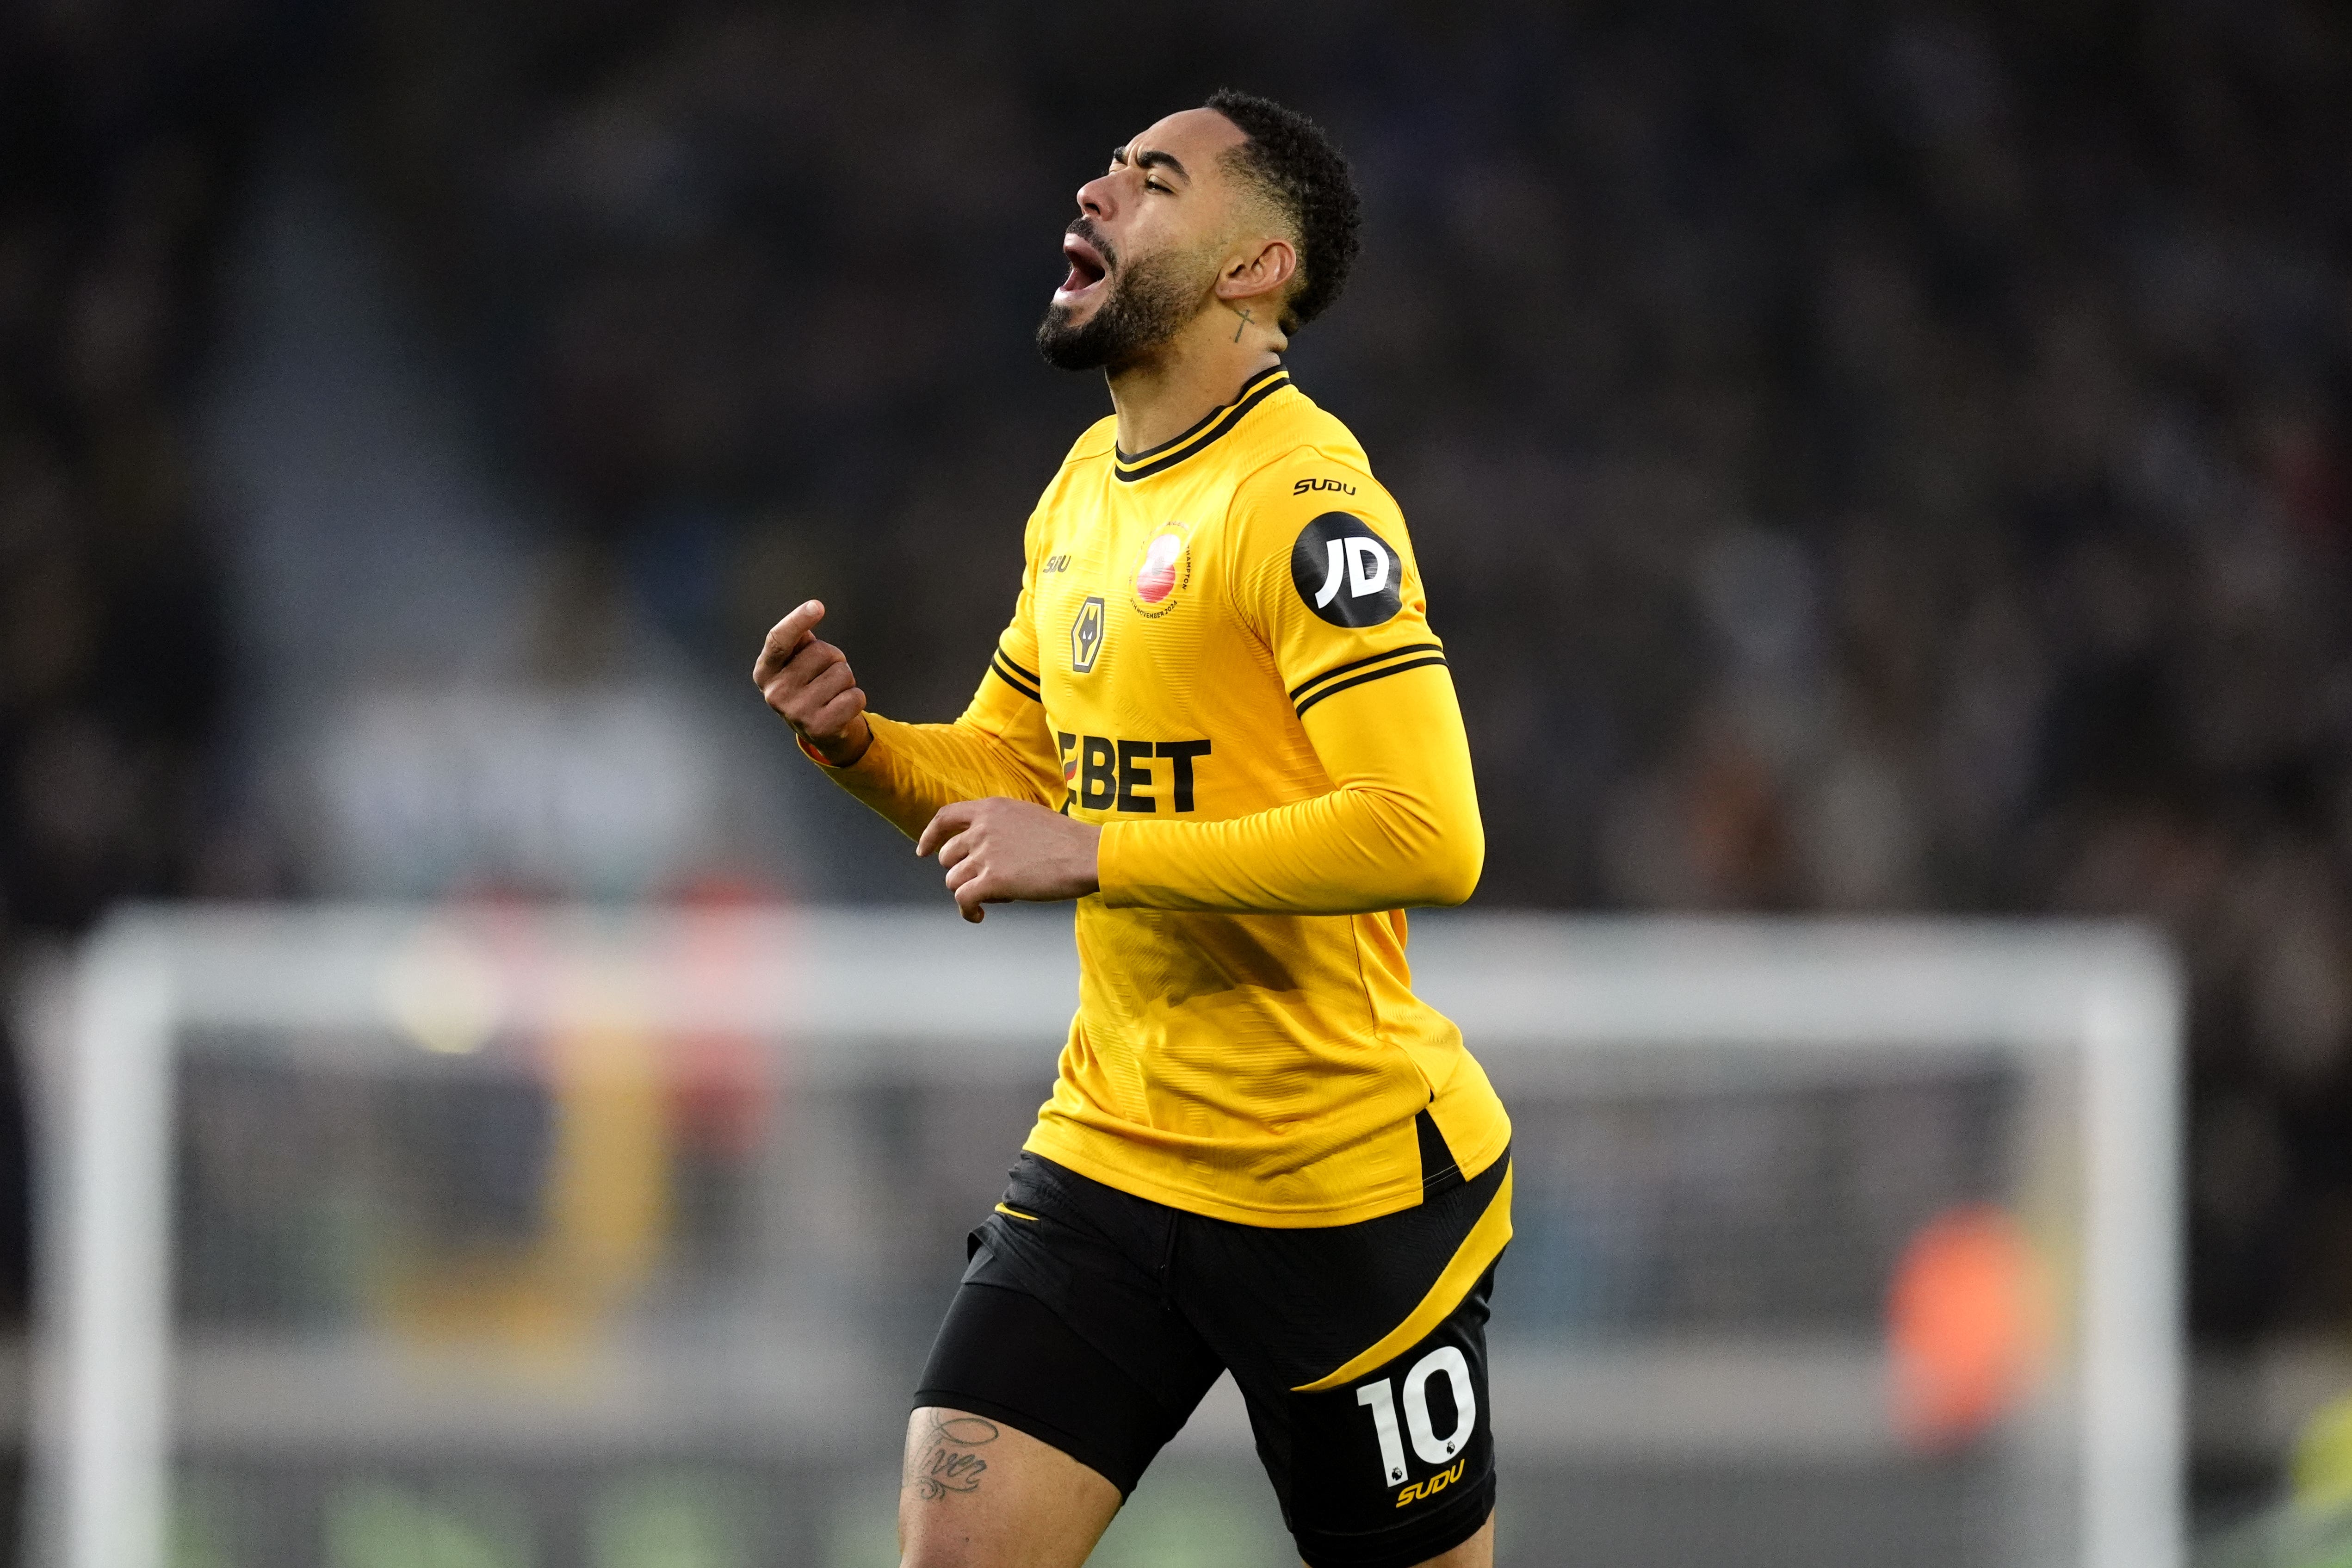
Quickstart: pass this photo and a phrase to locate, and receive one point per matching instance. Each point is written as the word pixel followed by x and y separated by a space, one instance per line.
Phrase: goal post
pixel 2092 1013
pixel 1736 1138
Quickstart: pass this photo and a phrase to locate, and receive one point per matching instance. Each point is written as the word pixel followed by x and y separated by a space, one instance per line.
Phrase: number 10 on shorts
pixel 1432 1448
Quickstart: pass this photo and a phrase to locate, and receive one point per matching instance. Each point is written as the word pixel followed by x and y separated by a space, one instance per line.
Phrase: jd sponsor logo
pixel 1104 772
pixel 1086 635
pixel 1432 1487
pixel 1346 573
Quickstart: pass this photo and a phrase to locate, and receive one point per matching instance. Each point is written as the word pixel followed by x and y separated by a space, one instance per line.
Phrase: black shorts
pixel 1096 1321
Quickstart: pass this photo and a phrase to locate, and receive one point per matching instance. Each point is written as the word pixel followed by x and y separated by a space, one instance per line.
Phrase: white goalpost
pixel 269 1135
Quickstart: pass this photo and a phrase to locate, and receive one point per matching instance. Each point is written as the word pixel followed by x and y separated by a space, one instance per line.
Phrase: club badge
pixel 1086 635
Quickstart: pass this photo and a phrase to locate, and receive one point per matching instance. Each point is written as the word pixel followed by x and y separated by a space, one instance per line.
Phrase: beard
pixel 1146 307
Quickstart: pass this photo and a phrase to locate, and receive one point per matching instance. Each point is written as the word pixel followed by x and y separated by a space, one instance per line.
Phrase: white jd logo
pixel 1357 561
pixel 1086 635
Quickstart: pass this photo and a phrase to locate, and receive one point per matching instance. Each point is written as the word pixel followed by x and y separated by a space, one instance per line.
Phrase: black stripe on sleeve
pixel 1314 680
pixel 1359 680
pixel 1029 676
pixel 997 668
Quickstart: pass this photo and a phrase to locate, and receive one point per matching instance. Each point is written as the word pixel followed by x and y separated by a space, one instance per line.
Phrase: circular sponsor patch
pixel 1345 572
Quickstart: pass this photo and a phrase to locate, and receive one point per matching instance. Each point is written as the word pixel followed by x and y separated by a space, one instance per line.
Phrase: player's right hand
pixel 810 683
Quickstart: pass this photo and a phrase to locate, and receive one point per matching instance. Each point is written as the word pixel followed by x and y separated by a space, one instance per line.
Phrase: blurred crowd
pixel 121 129
pixel 121 134
pixel 1865 456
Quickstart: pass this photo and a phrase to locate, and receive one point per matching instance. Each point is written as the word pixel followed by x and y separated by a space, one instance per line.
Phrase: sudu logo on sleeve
pixel 1345 572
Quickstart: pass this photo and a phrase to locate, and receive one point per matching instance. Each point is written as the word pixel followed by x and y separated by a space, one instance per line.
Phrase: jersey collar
pixel 1170 453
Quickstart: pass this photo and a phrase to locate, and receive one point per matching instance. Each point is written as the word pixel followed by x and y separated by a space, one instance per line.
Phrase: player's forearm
pixel 1354 851
pixel 1399 828
pixel 910 771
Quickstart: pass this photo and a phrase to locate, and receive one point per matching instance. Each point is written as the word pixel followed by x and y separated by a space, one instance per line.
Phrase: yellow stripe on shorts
pixel 1473 1257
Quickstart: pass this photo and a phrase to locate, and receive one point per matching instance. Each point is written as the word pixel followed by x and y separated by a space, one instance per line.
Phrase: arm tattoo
pixel 947 1462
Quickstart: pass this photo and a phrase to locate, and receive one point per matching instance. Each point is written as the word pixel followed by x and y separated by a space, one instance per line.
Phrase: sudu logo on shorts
pixel 1345 572
pixel 1432 1487
pixel 1166 567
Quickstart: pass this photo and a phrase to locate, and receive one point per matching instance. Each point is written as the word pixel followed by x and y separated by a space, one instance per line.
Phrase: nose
pixel 1095 196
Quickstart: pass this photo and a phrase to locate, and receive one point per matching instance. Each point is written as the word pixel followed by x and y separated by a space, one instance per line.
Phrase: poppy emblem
pixel 1158 578
pixel 1165 569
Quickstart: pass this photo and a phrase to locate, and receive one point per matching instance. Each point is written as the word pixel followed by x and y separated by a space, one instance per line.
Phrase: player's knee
pixel 989 1540
pixel 922 1543
pixel 917 1552
pixel 1478 1551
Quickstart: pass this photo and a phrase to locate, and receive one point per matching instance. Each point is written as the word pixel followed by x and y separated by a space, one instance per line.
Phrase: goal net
pixel 498 1238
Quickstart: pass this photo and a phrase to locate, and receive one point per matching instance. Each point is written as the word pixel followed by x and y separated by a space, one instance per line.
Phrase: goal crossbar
pixel 839 989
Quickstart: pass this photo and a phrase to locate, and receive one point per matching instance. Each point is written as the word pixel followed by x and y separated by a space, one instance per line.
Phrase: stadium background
pixel 1867 458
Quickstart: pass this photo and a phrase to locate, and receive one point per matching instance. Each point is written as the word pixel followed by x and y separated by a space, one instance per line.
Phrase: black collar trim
pixel 1170 453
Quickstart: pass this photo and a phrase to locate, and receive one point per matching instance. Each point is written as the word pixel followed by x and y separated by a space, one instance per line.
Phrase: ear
pixel 1262 272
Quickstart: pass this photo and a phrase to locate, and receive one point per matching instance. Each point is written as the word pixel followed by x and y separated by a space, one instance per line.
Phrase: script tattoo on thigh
pixel 948 1462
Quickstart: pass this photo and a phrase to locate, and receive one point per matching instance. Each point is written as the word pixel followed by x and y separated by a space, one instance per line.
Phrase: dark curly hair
pixel 1295 166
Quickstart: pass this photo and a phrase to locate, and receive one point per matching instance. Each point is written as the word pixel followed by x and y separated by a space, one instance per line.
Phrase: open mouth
pixel 1088 268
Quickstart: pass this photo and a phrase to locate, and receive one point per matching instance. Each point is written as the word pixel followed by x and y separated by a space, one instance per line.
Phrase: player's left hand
pixel 998 850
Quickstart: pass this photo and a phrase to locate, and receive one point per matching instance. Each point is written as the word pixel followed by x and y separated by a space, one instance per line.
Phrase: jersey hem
pixel 1488 1238
pixel 1045 1141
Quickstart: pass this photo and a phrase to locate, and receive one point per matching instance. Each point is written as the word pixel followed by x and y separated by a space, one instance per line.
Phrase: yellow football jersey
pixel 1222 654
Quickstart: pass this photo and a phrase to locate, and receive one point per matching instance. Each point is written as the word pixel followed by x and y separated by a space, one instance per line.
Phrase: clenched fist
pixel 810 683
pixel 998 850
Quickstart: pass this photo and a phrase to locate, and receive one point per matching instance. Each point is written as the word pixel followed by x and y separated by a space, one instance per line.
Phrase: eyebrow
pixel 1152 158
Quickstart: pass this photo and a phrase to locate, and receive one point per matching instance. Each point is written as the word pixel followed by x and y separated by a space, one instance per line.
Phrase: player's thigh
pixel 1478 1551
pixel 978 1493
pixel 1362 1352
pixel 1394 1467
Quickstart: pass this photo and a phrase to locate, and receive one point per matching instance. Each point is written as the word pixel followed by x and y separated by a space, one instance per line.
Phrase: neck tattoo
pixel 1246 317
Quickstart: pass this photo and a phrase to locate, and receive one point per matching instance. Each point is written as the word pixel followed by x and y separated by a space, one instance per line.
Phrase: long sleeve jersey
pixel 1222 654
